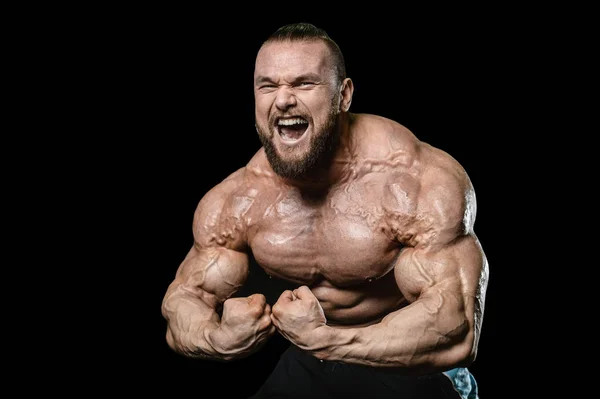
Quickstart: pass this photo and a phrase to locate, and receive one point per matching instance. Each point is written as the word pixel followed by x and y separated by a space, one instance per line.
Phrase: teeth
pixel 290 122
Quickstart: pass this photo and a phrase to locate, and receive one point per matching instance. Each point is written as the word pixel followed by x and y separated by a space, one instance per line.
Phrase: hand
pixel 245 327
pixel 297 315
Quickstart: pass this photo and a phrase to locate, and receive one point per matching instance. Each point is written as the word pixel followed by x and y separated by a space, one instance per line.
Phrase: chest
pixel 342 239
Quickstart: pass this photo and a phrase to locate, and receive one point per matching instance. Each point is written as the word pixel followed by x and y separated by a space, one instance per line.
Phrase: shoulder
pixel 380 137
pixel 220 217
pixel 428 192
pixel 444 180
pixel 446 202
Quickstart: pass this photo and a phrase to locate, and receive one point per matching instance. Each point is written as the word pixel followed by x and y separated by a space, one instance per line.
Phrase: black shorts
pixel 300 375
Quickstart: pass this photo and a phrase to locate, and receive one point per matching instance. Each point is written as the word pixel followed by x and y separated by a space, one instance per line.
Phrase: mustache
pixel 275 117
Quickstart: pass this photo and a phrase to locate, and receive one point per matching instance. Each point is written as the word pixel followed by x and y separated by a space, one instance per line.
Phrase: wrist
pixel 322 342
pixel 329 340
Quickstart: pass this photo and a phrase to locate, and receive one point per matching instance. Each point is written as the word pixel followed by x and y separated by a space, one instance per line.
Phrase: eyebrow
pixel 262 79
pixel 307 76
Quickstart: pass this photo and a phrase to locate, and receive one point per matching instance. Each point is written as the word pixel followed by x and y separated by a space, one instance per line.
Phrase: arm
pixel 442 271
pixel 213 270
pixel 439 330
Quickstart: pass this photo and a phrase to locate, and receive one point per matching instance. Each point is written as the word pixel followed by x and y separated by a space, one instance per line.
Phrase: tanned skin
pixel 378 237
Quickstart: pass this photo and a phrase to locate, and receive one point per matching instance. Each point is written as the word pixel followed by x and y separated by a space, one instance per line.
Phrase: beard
pixel 320 154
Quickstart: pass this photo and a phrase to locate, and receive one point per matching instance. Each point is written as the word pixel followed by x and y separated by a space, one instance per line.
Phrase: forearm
pixel 190 322
pixel 431 334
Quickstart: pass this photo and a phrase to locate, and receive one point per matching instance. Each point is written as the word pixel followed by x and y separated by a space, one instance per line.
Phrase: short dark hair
pixel 304 31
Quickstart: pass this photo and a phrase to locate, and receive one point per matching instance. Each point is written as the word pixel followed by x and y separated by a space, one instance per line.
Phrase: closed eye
pixel 306 84
pixel 267 87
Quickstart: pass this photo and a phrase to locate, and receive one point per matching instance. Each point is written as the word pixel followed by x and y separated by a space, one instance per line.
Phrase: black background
pixel 166 99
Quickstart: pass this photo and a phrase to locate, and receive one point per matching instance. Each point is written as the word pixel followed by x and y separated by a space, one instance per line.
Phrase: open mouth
pixel 292 129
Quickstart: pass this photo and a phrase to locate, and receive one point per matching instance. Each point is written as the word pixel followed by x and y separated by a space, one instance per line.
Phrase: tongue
pixel 292 132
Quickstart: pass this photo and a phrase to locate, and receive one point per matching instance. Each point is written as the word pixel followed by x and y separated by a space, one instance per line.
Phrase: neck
pixel 332 170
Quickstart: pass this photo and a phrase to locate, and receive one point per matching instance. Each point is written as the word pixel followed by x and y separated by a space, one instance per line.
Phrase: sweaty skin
pixel 381 245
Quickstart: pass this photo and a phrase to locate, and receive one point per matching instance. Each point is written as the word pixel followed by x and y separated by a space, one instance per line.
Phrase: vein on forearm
pixel 416 335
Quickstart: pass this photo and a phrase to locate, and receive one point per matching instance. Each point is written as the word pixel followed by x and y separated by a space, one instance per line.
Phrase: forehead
pixel 293 58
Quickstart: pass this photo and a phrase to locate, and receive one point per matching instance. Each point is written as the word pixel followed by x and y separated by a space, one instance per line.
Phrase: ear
pixel 346 91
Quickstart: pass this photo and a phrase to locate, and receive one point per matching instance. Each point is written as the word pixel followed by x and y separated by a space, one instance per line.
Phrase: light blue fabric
pixel 464 382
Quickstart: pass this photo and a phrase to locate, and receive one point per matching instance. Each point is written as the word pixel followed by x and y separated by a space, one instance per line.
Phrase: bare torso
pixel 343 243
pixel 339 251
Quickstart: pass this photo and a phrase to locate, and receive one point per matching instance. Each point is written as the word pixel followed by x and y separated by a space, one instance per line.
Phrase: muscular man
pixel 372 226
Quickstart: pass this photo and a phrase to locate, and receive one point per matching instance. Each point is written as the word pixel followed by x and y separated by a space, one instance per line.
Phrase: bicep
pixel 456 273
pixel 217 264
pixel 443 248
pixel 213 274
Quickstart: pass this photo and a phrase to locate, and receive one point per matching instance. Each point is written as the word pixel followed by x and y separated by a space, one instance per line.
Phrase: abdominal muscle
pixel 360 305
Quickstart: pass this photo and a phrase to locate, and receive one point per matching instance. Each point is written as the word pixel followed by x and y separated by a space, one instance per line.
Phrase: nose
pixel 285 98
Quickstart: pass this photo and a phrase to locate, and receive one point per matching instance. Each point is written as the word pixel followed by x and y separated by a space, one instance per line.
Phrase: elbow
pixel 464 352
pixel 460 347
pixel 178 346
pixel 173 344
pixel 465 339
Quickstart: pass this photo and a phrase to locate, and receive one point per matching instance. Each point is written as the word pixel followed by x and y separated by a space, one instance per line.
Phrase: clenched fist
pixel 297 315
pixel 245 326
